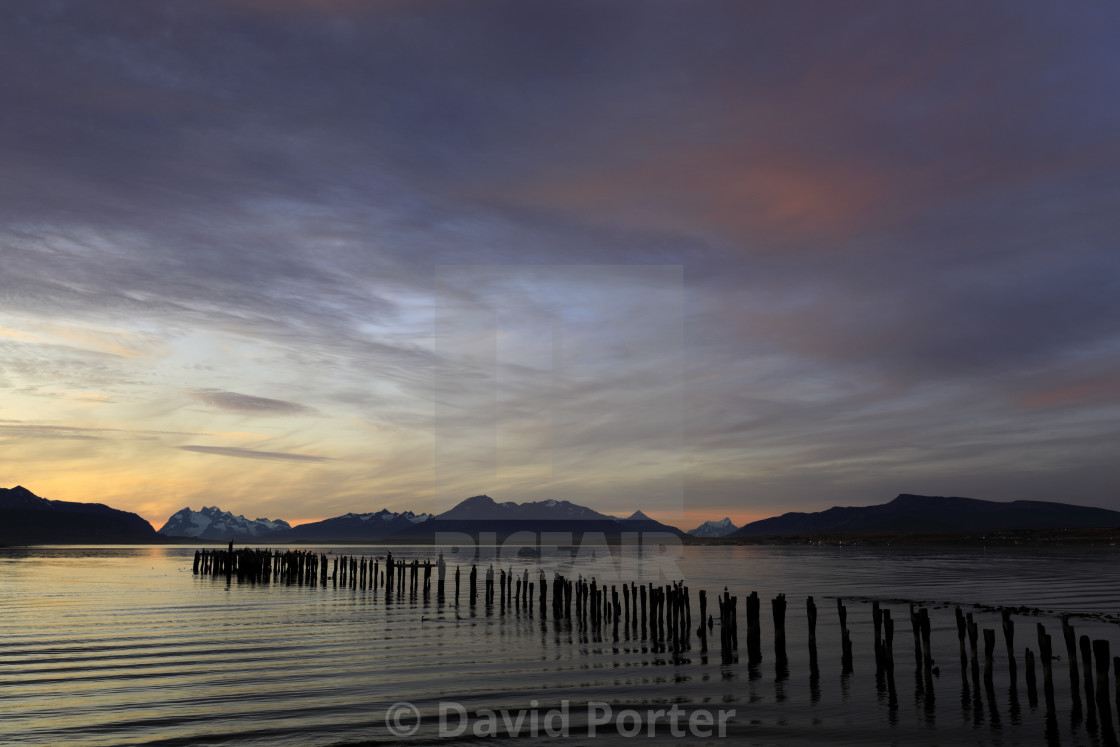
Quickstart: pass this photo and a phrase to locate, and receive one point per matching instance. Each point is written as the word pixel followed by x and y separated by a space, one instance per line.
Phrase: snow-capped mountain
pixel 387 515
pixel 212 523
pixel 720 528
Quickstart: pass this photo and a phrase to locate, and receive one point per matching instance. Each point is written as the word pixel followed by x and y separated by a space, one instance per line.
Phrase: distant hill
pixel 27 519
pixel 367 527
pixel 720 528
pixel 933 514
pixel 482 516
pixel 485 508
pixel 212 523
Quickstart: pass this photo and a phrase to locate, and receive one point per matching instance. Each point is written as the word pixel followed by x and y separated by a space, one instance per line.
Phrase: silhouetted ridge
pixel 935 514
pixel 27 519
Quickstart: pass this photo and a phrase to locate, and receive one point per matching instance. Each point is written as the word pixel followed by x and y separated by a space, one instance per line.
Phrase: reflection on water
pixel 116 646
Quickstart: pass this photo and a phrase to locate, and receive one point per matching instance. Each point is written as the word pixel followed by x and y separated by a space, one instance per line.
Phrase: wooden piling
pixel 971 628
pixel 1101 653
pixel 754 630
pixel 701 631
pixel 1045 654
pixel 642 600
pixel 1008 626
pixel 778 608
pixel 877 626
pixel 916 629
pixel 811 614
pixel 1032 689
pixel 1071 658
pixel 924 629
pixel 1087 662
pixel 845 637
pixel 961 634
pixel 1116 682
pixel 888 640
pixel 989 648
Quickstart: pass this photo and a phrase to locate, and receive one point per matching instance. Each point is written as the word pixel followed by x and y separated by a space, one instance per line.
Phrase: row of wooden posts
pixel 665 614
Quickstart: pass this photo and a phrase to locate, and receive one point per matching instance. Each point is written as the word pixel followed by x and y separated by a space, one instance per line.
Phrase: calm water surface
pixel 124 646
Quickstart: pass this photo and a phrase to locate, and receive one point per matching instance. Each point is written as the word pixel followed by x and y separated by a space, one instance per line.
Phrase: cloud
pixel 50 431
pixel 249 404
pixel 234 451
pixel 880 216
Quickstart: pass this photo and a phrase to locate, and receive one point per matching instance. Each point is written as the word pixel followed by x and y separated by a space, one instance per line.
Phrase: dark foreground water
pixel 121 646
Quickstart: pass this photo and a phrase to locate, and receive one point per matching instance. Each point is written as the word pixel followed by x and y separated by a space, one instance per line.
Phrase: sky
pixel 702 259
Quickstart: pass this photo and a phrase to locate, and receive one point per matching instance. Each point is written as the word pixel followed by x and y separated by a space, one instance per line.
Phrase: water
pixel 122 646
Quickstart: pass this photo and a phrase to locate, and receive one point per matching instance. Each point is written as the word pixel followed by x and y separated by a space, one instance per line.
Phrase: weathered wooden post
pixel 877 625
pixel 1087 661
pixel 754 629
pixel 1116 682
pixel 701 631
pixel 970 625
pixel 916 628
pixel 989 647
pixel 734 604
pixel 472 589
pixel 961 633
pixel 1045 654
pixel 1032 689
pixel 1009 639
pixel 687 612
pixel 811 615
pixel 888 642
pixel 1071 656
pixel 642 601
pixel 778 608
pixel 845 637
pixel 924 627
pixel 1101 653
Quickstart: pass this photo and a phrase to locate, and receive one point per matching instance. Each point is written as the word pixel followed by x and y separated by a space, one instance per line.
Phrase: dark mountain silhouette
pixel 482 517
pixel 639 522
pixel 368 527
pixel 485 508
pixel 932 514
pixel 27 519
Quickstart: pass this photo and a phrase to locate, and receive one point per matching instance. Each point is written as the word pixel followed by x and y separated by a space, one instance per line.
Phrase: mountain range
pixel 367 527
pixel 720 528
pixel 215 524
pixel 481 516
pixel 474 516
pixel 933 515
pixel 27 519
